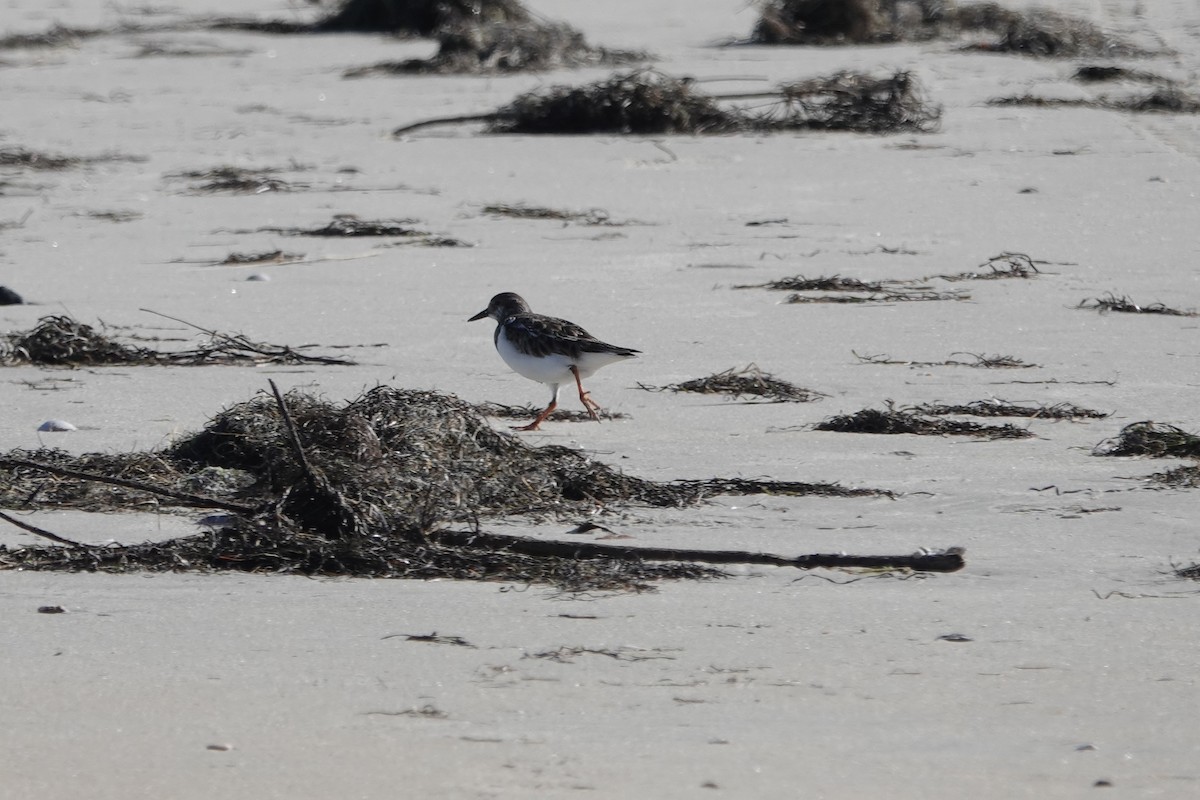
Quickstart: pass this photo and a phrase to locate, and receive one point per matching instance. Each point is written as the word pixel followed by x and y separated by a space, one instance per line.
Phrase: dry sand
pixel 1072 652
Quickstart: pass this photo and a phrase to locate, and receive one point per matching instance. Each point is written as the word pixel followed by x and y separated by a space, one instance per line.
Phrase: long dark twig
pixel 34 529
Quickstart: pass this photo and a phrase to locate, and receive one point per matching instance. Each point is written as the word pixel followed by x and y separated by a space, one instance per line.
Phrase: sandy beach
pixel 1060 663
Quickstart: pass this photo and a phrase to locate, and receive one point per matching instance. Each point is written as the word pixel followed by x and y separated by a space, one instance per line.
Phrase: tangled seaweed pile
pixel 63 341
pixel 364 489
pixel 649 102
pixel 1034 31
pixel 750 381
pixel 892 420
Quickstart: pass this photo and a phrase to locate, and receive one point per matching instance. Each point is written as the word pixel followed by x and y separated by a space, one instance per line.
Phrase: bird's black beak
pixel 480 315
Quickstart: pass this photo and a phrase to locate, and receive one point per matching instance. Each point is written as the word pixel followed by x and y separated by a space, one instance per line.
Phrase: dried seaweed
pixel 1171 100
pixel 367 488
pixel 420 17
pixel 650 102
pixel 1179 478
pixel 593 216
pixel 1000 408
pixel 350 226
pixel 892 420
pixel 834 283
pixel 980 362
pixel 502 411
pixel 62 341
pixel 236 180
pixel 1005 265
pixel 1189 573
pixel 1124 305
pixel 749 381
pixel 1035 31
pixel 886 296
pixel 1153 439
pixel 253 259
pixel 504 47
pixel 24 158
pixel 1104 73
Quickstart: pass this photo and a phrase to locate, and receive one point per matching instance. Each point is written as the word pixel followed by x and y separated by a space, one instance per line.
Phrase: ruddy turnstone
pixel 548 350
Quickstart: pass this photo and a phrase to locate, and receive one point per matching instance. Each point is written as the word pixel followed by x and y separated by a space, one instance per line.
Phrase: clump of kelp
pixel 1158 440
pixel 1001 408
pixel 1033 31
pixel 368 488
pixel 66 342
pixel 1151 439
pixel 747 382
pixel 914 420
pixel 1123 305
pixel 650 102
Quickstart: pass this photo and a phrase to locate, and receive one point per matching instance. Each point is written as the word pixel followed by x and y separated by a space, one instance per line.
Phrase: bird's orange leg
pixel 533 426
pixel 585 397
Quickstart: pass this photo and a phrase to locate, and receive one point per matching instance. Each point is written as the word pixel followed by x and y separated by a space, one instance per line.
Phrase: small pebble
pixel 9 298
pixel 258 276
pixel 224 748
pixel 56 426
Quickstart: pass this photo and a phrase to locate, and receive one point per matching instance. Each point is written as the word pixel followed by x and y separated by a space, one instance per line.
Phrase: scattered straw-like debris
pixel 980 362
pixel 1191 572
pixel 650 102
pixel 63 341
pixel 255 259
pixel 1179 478
pixel 502 411
pixel 799 283
pixel 1105 73
pixel 749 381
pixel 593 216
pixel 1000 408
pixel 366 488
pixel 1124 305
pixel 23 158
pixel 1153 439
pixel 236 180
pixel 892 420
pixel 350 226
pixel 1169 100
pixel 1034 31
pixel 886 296
pixel 1005 265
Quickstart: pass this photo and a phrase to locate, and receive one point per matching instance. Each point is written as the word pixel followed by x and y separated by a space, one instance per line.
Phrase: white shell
pixel 56 426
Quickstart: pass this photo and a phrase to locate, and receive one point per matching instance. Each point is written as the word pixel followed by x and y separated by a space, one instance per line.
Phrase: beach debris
pixel 1001 408
pixel 748 382
pixel 235 180
pixel 1124 305
pixel 1034 31
pixel 63 341
pixel 592 216
pixel 833 283
pixel 650 102
pixel 10 298
pixel 350 226
pixel 504 47
pixel 892 420
pixel 1005 265
pixel 370 488
pixel 1105 73
pixel 981 361
pixel 1170 100
pixel 252 259
pixel 56 426
pixel 419 17
pixel 1152 439
pixel 886 296
pixel 51 610
pixel 502 411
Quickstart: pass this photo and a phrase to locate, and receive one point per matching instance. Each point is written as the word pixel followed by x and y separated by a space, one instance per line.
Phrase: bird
pixel 548 350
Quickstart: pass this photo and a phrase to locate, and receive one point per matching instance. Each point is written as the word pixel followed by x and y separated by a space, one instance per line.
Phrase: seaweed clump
pixel 365 489
pixel 892 420
pixel 650 102
pixel 1153 439
pixel 1035 31
pixel 750 381
pixel 419 17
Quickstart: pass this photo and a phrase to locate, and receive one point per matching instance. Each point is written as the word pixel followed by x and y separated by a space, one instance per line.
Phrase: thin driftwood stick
pixel 185 499
pixel 35 530
pixel 949 561
pixel 292 435
pixel 428 123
